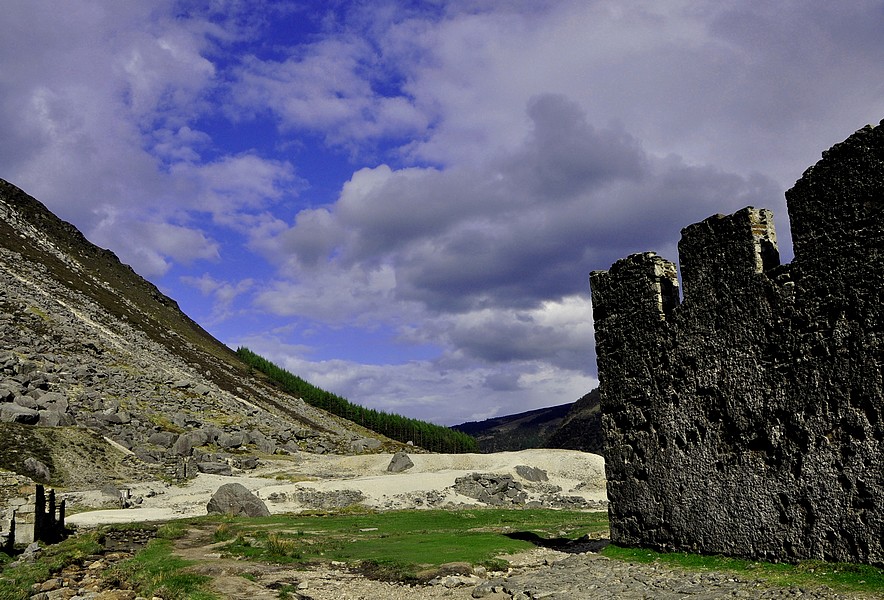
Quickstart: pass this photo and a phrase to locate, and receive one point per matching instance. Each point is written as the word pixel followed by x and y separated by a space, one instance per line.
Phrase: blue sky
pixel 401 201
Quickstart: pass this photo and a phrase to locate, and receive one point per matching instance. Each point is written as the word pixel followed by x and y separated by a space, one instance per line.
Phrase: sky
pixel 401 201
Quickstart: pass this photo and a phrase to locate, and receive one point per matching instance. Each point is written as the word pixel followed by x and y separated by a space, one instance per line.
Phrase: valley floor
pixel 309 481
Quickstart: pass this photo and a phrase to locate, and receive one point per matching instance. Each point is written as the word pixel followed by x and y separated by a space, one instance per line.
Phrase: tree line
pixel 435 438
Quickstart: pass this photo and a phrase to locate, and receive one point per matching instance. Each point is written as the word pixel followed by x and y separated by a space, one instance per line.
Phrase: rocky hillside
pixel 574 426
pixel 86 342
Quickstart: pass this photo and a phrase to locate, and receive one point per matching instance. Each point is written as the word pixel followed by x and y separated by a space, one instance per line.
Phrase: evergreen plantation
pixel 435 438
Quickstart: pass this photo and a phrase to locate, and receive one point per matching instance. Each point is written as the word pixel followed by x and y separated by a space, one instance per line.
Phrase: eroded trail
pixel 230 578
pixel 242 580
pixel 539 573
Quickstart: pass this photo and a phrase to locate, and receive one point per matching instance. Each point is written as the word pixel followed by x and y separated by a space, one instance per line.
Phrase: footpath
pixel 534 575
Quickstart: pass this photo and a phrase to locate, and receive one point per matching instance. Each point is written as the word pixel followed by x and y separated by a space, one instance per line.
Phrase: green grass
pixel 403 544
pixel 155 571
pixel 16 582
pixel 844 577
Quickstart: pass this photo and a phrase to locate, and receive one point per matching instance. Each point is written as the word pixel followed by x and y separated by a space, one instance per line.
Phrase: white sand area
pixel 286 484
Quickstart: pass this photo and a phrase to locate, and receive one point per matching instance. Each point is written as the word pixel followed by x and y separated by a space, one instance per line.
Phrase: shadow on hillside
pixel 578 546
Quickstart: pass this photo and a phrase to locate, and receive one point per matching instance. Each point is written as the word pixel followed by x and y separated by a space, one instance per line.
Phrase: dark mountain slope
pixel 524 430
pixel 581 428
pixel 574 426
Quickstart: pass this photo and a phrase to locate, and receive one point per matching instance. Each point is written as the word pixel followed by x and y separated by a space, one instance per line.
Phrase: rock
pixel 13 413
pixel 111 491
pixel 183 446
pixel 400 462
pixel 201 389
pixel 486 588
pixel 214 468
pixel 230 440
pixel 56 401
pixel 51 418
pixel 37 470
pixel 262 444
pixel 489 488
pixel 163 439
pixel 236 500
pixel 29 555
pixel 245 463
pixel 8 391
pixel 531 473
pixel 364 445
pixel 27 402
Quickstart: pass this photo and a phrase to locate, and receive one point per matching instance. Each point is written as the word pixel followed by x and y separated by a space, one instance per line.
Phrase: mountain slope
pixel 85 341
pixel 521 431
pixel 581 429
pixel 573 426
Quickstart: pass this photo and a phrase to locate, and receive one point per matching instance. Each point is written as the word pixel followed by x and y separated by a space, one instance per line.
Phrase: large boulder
pixel 36 470
pixel 214 468
pixel 531 473
pixel 236 500
pixel 13 413
pixel 400 462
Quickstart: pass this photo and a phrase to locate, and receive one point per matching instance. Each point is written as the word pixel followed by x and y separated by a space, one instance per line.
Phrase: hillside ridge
pixel 87 342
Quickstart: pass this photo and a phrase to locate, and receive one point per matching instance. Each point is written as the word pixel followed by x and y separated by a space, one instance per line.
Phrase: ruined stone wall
pixel 31 519
pixel 746 419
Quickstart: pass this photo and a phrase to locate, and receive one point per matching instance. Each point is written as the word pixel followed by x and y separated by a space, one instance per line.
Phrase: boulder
pixel 26 401
pixel 201 389
pixel 50 418
pixel 400 462
pixel 36 470
pixel 214 468
pixel 163 439
pixel 183 446
pixel 236 500
pixel 230 440
pixel 13 413
pixel 186 442
pixel 364 445
pixel 531 473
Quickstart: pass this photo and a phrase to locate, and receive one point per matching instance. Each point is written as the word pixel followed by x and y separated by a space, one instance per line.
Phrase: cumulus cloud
pixel 445 392
pixel 328 86
pixel 516 231
pixel 98 122
pixel 447 171
pixel 223 293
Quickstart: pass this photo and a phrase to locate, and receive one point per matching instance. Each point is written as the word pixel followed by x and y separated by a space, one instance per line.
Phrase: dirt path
pixel 246 580
pixel 230 578
pixel 539 573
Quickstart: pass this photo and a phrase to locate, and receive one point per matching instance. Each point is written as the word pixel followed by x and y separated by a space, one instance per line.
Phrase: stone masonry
pixel 746 419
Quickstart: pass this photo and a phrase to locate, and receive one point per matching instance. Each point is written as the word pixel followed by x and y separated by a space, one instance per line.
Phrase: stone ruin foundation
pixel 746 419
pixel 31 519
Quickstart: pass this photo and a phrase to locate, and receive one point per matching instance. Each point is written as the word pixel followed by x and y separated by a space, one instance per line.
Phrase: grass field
pixel 407 546
pixel 404 544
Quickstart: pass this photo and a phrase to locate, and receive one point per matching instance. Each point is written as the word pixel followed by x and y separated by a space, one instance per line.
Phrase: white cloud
pixel 424 390
pixel 223 293
pixel 328 86
pixel 500 151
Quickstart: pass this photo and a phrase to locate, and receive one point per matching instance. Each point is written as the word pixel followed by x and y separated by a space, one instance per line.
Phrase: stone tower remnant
pixel 748 418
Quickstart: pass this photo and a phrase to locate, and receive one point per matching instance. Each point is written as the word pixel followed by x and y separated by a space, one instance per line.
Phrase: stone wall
pixel 35 518
pixel 746 419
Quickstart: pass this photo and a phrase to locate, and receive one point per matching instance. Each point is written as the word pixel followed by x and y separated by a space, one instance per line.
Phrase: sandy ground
pixel 284 485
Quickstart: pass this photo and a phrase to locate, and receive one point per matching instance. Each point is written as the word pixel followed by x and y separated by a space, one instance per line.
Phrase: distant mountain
pixel 573 426
pixel 85 341
pixel 582 427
